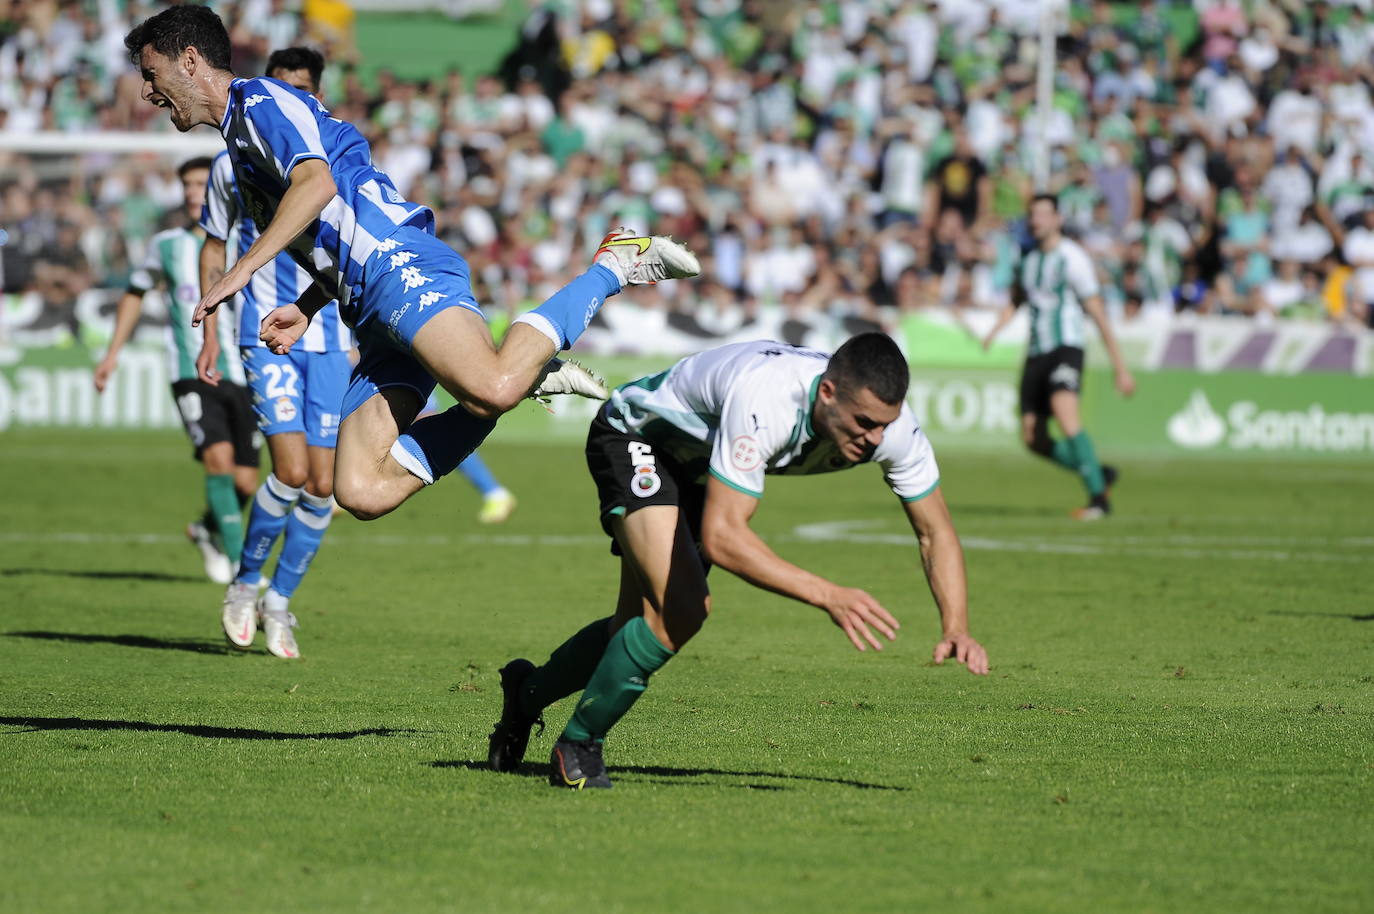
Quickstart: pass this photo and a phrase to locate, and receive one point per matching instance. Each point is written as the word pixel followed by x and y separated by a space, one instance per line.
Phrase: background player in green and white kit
pixel 1059 283
pixel 679 460
pixel 218 419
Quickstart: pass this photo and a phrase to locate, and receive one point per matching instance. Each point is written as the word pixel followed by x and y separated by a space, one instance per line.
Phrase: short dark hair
pixel 1051 199
pixel 307 59
pixel 177 28
pixel 192 165
pixel 870 361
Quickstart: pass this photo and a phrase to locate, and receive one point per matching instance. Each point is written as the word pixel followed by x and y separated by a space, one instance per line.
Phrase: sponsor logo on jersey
pixel 284 409
pixel 252 100
pixel 745 453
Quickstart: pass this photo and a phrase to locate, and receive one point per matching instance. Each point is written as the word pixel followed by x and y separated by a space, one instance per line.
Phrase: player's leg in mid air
pixel 498 504
pixel 418 304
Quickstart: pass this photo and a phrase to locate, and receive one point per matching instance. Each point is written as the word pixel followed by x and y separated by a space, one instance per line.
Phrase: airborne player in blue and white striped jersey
pixel 308 181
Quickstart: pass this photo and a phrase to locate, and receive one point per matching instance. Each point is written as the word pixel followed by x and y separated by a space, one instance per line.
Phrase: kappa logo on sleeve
pixel 745 453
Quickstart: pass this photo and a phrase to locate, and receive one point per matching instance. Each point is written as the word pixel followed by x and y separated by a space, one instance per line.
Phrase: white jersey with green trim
pixel 173 261
pixel 1056 283
pixel 743 411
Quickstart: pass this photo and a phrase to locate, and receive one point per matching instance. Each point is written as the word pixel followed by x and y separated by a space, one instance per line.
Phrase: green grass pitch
pixel 1179 715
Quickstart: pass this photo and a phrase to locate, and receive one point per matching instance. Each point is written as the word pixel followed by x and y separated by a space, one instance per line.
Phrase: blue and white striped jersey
pixel 279 283
pixel 270 127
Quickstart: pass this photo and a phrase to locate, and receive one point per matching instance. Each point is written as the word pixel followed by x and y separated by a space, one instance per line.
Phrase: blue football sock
pixel 304 530
pixel 474 468
pixel 571 308
pixel 265 523
pixel 433 446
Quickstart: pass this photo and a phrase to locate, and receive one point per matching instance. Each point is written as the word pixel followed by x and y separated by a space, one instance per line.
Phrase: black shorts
pixel 631 474
pixel 1044 374
pixel 212 413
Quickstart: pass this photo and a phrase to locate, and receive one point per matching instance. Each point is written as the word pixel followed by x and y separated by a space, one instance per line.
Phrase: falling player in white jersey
pixel 679 460
pixel 1059 283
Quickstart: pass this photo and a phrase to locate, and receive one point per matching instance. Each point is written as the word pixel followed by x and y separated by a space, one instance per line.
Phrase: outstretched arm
pixel 312 187
pixel 942 558
pixel 730 543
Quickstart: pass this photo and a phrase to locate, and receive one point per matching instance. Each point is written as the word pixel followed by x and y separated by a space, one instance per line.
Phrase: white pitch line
pixel 853 532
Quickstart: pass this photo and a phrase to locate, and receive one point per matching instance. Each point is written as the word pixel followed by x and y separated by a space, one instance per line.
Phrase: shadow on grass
pixel 194 645
pixel 32 724
pixel 1353 617
pixel 542 770
pixel 105 575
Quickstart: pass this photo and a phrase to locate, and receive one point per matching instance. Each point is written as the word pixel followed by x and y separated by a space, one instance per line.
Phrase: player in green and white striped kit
pixel 219 420
pixel 1059 284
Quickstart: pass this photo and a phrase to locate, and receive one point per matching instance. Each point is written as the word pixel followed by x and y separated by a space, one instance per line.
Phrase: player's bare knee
pixel 363 498
pixel 289 474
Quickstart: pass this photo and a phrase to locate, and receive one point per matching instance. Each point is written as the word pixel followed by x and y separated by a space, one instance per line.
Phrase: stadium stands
pixel 839 162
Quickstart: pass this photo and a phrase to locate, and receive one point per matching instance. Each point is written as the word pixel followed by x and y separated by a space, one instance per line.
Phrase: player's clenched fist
pixel 282 327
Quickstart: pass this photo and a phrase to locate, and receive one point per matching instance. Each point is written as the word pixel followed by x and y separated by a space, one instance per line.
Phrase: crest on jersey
pixel 645 482
pixel 745 453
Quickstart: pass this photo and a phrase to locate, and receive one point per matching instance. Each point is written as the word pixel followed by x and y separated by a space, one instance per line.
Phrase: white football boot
pixel 277 622
pixel 639 260
pixel 562 376
pixel 218 568
pixel 240 615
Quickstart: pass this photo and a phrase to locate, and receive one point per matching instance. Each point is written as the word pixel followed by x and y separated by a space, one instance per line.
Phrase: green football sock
pixel 1064 453
pixel 633 655
pixel 1088 467
pixel 224 502
pixel 567 670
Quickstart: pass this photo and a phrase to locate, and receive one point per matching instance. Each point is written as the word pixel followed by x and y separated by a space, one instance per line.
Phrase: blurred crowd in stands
pixel 856 159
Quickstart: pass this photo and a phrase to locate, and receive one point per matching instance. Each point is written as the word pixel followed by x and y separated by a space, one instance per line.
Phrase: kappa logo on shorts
pixel 412 278
pixel 386 247
pixel 745 453
pixel 429 298
pixel 401 258
pixel 645 481
pixel 1066 375
pixel 284 410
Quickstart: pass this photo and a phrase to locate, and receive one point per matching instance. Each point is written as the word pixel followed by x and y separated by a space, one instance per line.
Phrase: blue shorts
pixel 298 392
pixel 411 277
